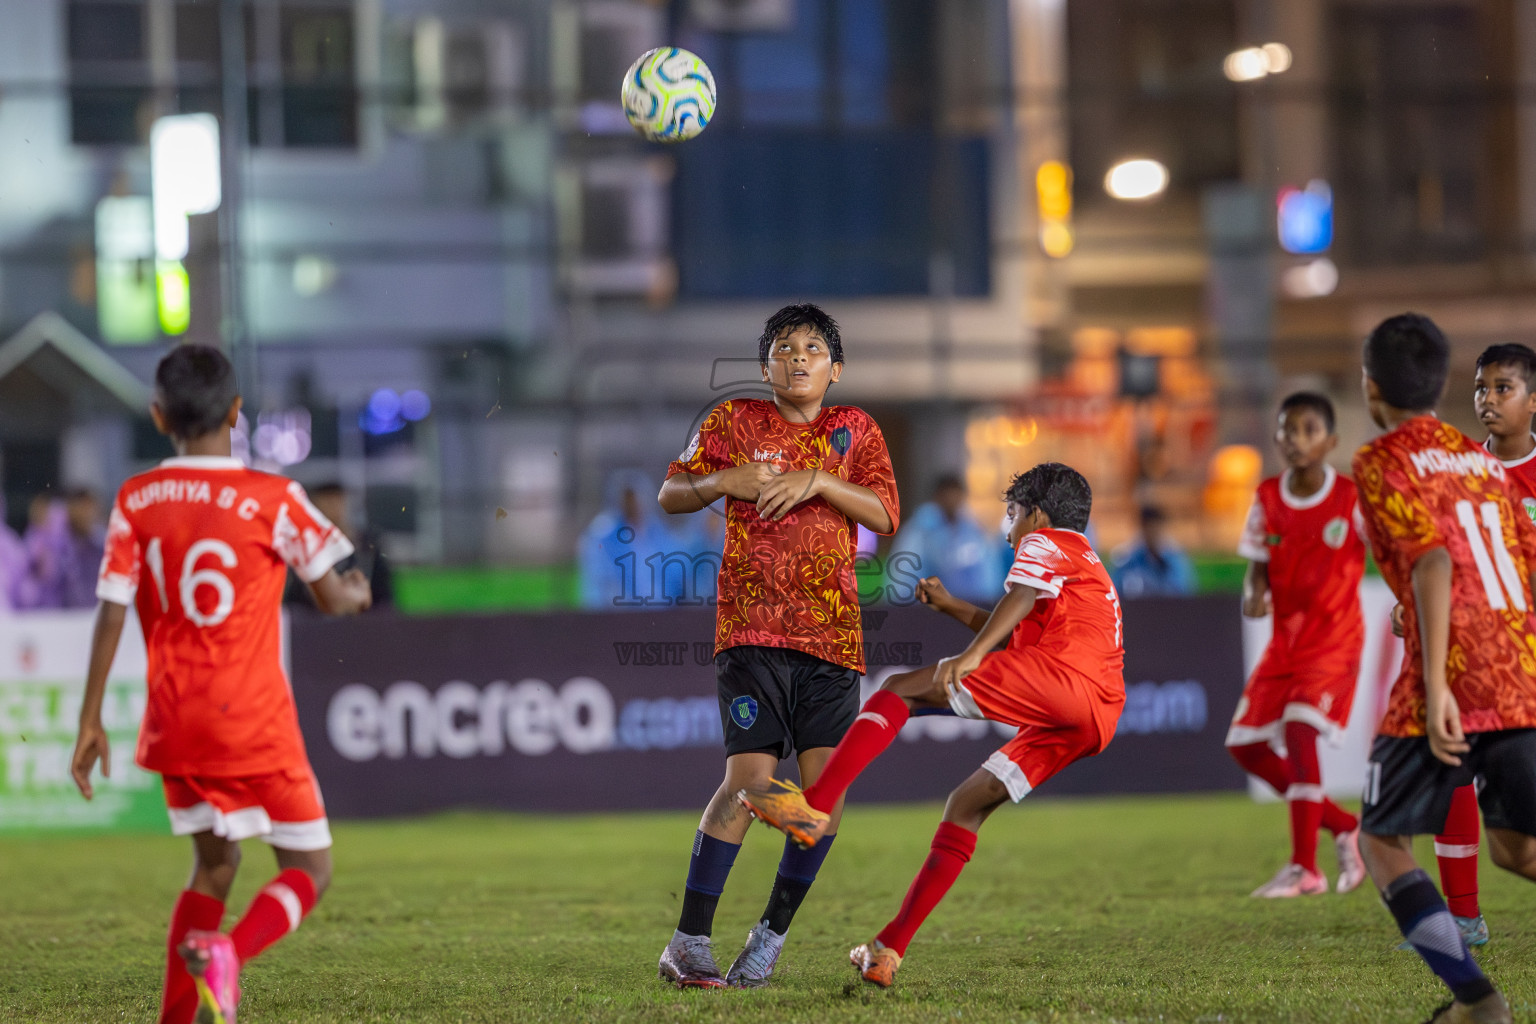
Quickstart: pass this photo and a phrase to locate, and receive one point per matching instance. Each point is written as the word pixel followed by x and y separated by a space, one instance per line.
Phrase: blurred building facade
pixel 470 293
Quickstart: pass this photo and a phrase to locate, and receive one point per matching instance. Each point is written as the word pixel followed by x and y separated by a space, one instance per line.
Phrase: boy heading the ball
pixel 1458 553
pixel 1305 559
pixel 1059 680
pixel 799 478
pixel 201 546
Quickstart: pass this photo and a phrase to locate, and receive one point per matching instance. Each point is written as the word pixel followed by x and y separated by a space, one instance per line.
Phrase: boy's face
pixel 800 365
pixel 1303 438
pixel 1503 400
pixel 1023 522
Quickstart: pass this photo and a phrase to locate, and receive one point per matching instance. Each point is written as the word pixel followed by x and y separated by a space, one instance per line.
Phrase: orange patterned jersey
pixel 1315 556
pixel 201 547
pixel 1522 480
pixel 791 583
pixel 1426 485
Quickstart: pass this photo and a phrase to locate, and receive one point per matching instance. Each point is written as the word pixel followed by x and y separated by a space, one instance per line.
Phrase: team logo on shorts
pixel 744 711
pixel 841 439
pixel 1530 507
pixel 1335 533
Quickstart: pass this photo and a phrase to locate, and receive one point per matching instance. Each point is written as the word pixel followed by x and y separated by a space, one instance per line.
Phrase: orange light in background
pixel 1053 193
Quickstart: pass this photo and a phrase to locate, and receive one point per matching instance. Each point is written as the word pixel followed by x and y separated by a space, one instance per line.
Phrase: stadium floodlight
pixel 1141 178
pixel 1252 63
pixel 184 177
pixel 1311 280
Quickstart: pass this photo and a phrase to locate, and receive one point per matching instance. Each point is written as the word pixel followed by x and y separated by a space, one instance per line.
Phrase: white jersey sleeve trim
pixel 116 589
pixel 1252 546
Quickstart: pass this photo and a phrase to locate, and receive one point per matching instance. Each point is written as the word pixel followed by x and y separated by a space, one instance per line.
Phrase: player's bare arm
pixel 91 745
pixel 342 593
pixel 1432 595
pixel 932 592
pixel 689 492
pixel 855 501
pixel 1010 611
pixel 1256 590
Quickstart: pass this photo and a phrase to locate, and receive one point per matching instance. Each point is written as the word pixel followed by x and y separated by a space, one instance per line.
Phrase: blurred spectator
pixel 1152 565
pixel 949 543
pixel 701 535
pixel 611 554
pixel 48 553
pixel 13 565
pixel 84 541
pixel 367 555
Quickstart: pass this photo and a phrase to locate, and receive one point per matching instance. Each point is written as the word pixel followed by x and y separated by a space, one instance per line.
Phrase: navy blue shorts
pixel 1408 790
pixel 780 700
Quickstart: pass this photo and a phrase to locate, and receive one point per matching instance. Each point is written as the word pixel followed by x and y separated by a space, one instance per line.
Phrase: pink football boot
pixel 215 968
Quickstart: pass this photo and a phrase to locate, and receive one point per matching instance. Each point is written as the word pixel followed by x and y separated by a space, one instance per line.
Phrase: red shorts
pixel 1061 715
pixel 283 808
pixel 1318 690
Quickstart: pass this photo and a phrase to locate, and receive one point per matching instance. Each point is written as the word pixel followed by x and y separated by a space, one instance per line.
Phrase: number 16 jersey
pixel 201 547
pixel 1426 485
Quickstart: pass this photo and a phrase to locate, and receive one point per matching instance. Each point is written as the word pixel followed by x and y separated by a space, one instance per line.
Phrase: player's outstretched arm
pixel 1256 590
pixel 932 592
pixel 1432 597
pixel 91 745
pixel 1010 611
pixel 342 593
pixel 690 492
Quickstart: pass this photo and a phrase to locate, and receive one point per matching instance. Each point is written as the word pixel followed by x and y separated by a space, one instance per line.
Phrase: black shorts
pixel 782 700
pixel 1408 790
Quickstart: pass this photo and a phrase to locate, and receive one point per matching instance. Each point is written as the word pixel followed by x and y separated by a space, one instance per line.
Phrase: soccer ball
pixel 669 94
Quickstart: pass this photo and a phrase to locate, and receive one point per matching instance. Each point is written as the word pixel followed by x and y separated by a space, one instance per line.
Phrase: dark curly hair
pixel 1408 357
pixel 194 387
pixel 1056 489
pixel 800 314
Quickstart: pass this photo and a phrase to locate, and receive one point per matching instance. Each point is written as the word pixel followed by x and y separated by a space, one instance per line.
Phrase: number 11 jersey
pixel 201 547
pixel 1426 485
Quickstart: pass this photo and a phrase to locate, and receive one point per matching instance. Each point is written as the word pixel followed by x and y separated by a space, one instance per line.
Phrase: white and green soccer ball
pixel 669 94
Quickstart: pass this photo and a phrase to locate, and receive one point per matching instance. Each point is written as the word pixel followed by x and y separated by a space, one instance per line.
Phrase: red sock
pixel 277 910
pixel 951 850
pixel 1336 819
pixel 879 721
pixel 1260 761
pixel 1456 850
pixel 1305 793
pixel 193 912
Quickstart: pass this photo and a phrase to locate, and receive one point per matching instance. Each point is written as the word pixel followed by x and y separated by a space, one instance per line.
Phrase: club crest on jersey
pixel 744 712
pixel 691 450
pixel 1529 505
pixel 1336 532
pixel 841 439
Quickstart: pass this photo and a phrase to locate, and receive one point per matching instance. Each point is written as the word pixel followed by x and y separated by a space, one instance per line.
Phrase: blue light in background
pixel 415 405
pixel 387 412
pixel 1305 218
pixel 382 413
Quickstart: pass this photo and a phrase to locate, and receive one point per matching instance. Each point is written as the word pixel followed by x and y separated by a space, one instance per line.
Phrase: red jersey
pixel 201 546
pixel 1426 485
pixel 1076 618
pixel 1316 556
pixel 791 583
pixel 1521 480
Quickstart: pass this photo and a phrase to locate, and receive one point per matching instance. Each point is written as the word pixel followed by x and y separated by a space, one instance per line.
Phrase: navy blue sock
pixel 797 870
pixel 1431 930
pixel 707 870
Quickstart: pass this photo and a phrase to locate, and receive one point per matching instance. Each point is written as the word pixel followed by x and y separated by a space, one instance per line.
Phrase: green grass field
pixel 1081 910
